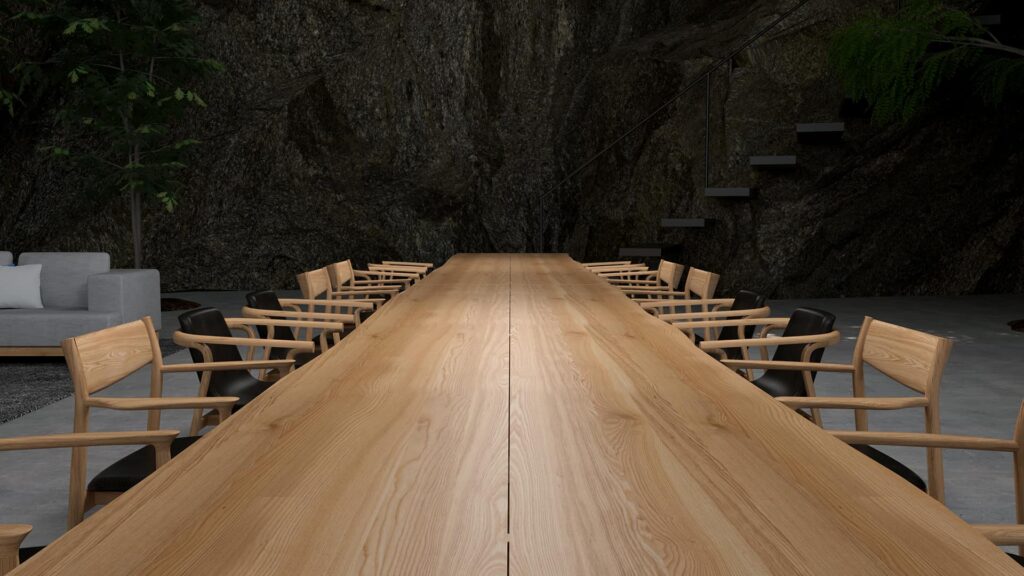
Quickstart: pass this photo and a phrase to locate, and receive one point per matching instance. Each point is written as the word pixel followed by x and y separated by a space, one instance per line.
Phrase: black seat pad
pixel 133 468
pixel 26 553
pixel 777 383
pixel 892 464
pixel 240 384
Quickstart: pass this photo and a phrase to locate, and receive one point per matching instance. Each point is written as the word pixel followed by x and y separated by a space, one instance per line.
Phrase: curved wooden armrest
pixel 224 366
pixel 286 323
pixel 11 537
pixel 827 339
pixel 350 304
pixel 925 440
pixel 688 302
pixel 197 340
pixel 427 265
pixel 646 280
pixel 82 439
pixel 856 403
pixel 739 322
pixel 376 289
pixel 625 268
pixel 404 277
pixel 331 317
pixel 781 365
pixel 627 271
pixel 416 271
pixel 1002 534
pixel 162 403
pixel 716 314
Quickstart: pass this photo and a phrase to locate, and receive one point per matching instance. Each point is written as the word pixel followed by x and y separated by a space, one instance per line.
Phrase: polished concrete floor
pixel 981 395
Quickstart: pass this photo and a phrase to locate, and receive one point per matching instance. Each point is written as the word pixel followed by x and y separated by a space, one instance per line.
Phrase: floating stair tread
pixel 639 252
pixel 682 222
pixel 821 128
pixel 772 161
pixel 727 192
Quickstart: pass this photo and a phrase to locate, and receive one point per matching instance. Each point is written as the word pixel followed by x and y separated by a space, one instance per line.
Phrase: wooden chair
pixel 909 357
pixel 998 534
pixel 318 285
pixel 12 535
pixel 345 276
pixel 321 328
pixel 419 271
pixel 665 279
pixel 208 336
pixel 805 335
pixel 592 265
pixel 426 266
pixel 699 285
pixel 745 306
pixel 101 359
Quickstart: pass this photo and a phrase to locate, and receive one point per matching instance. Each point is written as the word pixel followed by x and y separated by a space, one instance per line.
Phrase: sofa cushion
pixel 19 286
pixel 65 275
pixel 48 326
pixel 6 258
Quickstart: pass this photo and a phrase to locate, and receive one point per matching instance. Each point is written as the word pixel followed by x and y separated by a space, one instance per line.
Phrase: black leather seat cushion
pixel 240 384
pixel 133 468
pixel 892 464
pixel 26 553
pixel 802 322
pixel 778 383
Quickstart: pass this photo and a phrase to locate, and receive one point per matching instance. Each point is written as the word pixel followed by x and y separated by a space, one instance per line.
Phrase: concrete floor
pixel 981 394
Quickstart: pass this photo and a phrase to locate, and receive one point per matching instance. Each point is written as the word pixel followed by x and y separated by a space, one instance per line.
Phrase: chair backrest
pixel 267 300
pixel 340 273
pixel 914 359
pixel 701 284
pixel 100 359
pixel 802 322
pixel 210 322
pixel 315 283
pixel 670 273
pixel 744 300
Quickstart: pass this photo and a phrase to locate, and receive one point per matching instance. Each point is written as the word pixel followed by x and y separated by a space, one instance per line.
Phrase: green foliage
pixel 898 63
pixel 123 73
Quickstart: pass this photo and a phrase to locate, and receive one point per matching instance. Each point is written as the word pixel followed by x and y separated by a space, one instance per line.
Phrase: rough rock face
pixel 399 129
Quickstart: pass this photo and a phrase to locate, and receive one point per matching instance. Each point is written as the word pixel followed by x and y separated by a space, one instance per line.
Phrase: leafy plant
pixel 124 71
pixel 898 63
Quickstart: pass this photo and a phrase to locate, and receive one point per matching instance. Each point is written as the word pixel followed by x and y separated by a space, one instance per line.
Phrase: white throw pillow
pixel 19 286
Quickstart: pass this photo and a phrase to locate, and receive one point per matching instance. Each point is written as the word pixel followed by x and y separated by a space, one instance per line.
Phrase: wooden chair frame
pixel 762 342
pixel 343 275
pixel 12 535
pixel 101 359
pixel 914 359
pixel 330 325
pixel 998 534
pixel 335 282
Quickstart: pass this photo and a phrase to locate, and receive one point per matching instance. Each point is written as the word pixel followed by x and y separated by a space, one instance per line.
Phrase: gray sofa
pixel 80 294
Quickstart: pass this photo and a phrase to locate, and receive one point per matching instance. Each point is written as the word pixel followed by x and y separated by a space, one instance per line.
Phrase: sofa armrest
pixel 130 293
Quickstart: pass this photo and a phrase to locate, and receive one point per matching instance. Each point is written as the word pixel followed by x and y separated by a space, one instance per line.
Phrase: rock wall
pixel 378 129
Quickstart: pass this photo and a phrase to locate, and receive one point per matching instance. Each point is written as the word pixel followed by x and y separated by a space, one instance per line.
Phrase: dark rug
pixel 28 384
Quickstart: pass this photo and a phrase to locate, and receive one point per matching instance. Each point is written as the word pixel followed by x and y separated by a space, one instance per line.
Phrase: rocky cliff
pixel 400 129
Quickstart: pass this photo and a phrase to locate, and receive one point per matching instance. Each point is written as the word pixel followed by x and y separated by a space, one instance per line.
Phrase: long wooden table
pixel 516 414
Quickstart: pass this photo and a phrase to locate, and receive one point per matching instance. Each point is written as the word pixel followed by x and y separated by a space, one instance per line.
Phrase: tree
pixel 124 72
pixel 898 63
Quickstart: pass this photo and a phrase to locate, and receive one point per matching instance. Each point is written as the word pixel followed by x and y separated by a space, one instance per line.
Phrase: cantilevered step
pixel 682 222
pixel 727 192
pixel 772 161
pixel 820 131
pixel 640 252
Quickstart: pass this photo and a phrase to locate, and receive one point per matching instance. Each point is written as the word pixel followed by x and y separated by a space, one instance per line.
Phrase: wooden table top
pixel 516 414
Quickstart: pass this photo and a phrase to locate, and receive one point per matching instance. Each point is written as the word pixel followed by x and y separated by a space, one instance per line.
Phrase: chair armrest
pixel 715 315
pixel 599 264
pixel 678 298
pixel 224 366
pixel 347 294
pixel 216 402
pixel 925 440
pixel 854 403
pixel 346 304
pixel 82 439
pixel 286 323
pixel 828 338
pixel 329 318
pixel 782 365
pixel 379 276
pixel 11 537
pixel 1002 534
pixel 132 294
pixel 427 265
pixel 197 340
pixel 404 270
